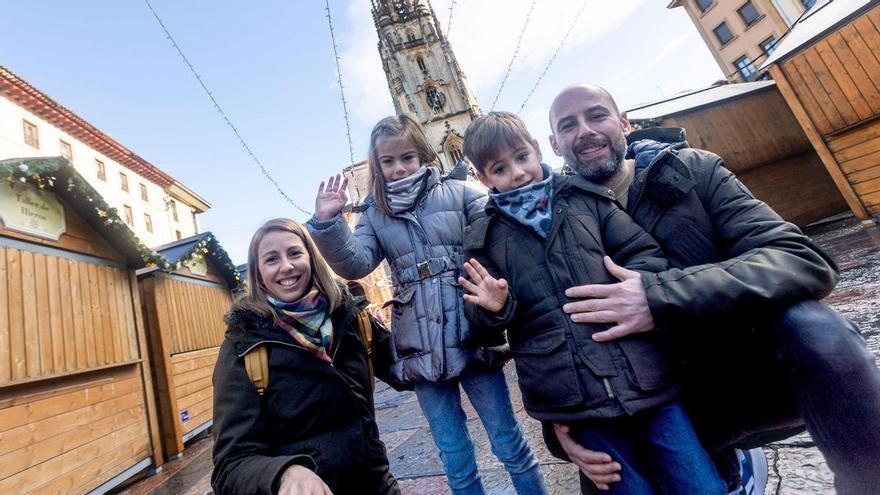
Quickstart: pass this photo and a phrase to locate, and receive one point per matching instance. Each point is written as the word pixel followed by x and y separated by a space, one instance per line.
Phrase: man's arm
pixel 772 264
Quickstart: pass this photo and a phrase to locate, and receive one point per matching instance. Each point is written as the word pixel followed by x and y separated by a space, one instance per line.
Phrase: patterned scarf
pixel 307 321
pixel 403 193
pixel 529 205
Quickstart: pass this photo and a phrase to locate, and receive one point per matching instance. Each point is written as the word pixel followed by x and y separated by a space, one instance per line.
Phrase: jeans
pixel 836 385
pixel 657 450
pixel 487 391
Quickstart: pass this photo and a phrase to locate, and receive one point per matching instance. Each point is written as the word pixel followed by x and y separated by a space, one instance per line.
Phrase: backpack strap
pixel 365 328
pixel 256 363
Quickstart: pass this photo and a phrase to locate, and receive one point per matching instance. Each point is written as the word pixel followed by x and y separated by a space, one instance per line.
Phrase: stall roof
pixel 178 253
pixel 695 99
pixel 58 175
pixel 823 18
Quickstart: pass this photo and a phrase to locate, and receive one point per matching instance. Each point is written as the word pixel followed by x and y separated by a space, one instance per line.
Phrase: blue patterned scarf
pixel 529 205
pixel 307 321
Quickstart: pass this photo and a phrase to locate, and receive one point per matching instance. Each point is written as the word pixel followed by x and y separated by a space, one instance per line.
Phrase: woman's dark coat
pixel 313 413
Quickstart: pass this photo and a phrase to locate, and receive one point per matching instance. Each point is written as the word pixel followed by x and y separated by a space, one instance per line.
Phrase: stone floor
pixel 796 467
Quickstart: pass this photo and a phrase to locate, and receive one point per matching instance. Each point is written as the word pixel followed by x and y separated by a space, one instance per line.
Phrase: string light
pixel 555 53
pixel 515 52
pixel 223 115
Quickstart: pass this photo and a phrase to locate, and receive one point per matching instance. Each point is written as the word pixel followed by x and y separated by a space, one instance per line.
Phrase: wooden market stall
pixel 750 126
pixel 828 71
pixel 76 412
pixel 185 298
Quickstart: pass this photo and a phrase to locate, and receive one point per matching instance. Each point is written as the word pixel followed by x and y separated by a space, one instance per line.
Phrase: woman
pixel 313 429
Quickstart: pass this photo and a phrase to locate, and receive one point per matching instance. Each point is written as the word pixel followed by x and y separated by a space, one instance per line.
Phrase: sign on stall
pixel 29 210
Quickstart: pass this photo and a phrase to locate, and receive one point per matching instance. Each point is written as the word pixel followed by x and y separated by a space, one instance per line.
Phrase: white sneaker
pixel 753 470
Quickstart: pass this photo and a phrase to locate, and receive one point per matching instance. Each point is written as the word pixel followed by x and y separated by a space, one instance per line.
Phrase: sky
pixel 270 66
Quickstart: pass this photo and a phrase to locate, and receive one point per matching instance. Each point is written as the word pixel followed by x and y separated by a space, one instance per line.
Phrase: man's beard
pixel 599 170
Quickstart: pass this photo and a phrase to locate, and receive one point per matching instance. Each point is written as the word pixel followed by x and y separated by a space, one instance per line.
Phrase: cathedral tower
pixel 424 77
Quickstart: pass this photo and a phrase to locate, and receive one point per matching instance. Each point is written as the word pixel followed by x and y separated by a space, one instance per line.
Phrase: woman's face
pixel 284 265
pixel 397 158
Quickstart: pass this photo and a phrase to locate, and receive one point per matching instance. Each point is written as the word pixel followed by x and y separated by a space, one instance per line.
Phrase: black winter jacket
pixel 313 413
pixel 563 373
pixel 735 266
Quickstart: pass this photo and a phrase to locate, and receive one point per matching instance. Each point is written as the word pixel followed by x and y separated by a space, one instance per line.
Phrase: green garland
pixel 208 245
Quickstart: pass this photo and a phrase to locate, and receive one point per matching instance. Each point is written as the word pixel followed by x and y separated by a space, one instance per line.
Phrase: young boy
pixel 541 233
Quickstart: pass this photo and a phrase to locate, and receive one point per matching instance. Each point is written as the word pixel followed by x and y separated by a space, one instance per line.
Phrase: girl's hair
pixel 404 127
pixel 254 298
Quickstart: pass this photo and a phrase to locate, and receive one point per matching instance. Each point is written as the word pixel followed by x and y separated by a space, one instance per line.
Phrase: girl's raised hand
pixel 486 291
pixel 331 200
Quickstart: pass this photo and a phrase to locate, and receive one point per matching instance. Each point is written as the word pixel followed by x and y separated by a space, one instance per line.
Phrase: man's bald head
pixel 576 91
pixel 589 131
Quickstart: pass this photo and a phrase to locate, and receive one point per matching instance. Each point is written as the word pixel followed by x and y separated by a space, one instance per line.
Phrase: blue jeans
pixel 657 450
pixel 836 385
pixel 487 391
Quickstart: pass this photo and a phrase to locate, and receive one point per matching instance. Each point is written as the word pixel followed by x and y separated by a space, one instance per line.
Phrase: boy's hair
pixel 487 134
pixel 400 126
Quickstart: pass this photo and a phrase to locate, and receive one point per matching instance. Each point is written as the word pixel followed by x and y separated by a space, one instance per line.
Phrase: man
pixel 761 355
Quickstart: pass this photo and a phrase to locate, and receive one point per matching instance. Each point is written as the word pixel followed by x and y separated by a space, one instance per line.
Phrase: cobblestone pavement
pixel 796 467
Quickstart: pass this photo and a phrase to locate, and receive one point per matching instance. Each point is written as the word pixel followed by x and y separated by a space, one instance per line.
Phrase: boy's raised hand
pixel 486 291
pixel 331 200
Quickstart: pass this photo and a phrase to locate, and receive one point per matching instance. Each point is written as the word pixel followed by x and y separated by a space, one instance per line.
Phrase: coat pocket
pixel 404 323
pixel 546 371
pixel 649 361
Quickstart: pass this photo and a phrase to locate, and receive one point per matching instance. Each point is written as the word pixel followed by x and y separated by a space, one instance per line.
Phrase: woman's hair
pixel 254 298
pixel 400 126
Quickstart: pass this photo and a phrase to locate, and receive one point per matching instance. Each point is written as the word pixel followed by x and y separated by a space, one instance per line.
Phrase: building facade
pixel 742 34
pixel 424 77
pixel 158 208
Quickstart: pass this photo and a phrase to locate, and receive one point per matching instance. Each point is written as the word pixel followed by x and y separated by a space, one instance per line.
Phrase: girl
pixel 414 218
pixel 313 430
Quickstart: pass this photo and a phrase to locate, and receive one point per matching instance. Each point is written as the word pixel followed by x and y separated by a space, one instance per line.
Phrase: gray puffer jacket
pixel 432 338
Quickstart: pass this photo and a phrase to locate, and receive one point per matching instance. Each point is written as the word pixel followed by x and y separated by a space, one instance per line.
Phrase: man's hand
pixel 597 466
pixel 331 200
pixel 486 291
pixel 300 480
pixel 624 302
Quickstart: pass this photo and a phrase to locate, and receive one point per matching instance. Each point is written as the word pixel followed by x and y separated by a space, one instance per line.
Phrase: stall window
pixel 129 216
pixel 722 32
pixel 31 134
pixel 66 149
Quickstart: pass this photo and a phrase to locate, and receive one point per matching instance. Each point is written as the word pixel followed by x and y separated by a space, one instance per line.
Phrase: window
pixel 195 223
pixel 456 155
pixel 808 4
pixel 749 13
pixel 66 150
pixel 745 67
pixel 177 233
pixel 129 216
pixel 722 32
pixel 123 181
pixel 148 222
pixel 174 211
pixel 31 134
pixel 421 63
pixel 102 172
pixel 768 45
pixel 144 195
pixel 704 5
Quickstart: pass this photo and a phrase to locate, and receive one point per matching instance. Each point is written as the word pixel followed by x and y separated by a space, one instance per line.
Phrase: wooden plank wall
pixel 60 316
pixel 193 390
pixel 798 188
pixel 196 314
pixel 838 79
pixel 858 153
pixel 70 435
